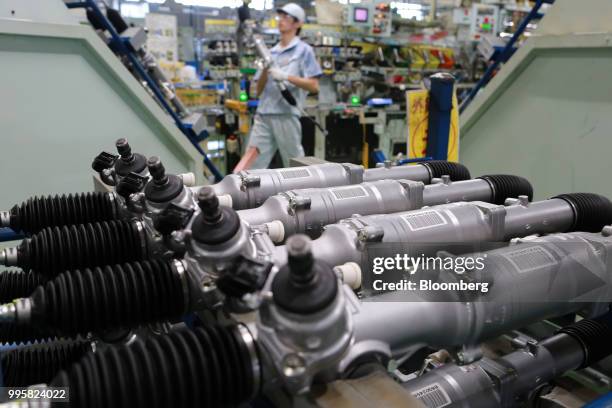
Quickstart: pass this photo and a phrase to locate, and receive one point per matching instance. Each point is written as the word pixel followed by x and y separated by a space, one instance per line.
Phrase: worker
pixel 277 124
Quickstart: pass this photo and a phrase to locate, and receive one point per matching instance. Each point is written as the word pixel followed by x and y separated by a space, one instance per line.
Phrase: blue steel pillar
pixel 440 107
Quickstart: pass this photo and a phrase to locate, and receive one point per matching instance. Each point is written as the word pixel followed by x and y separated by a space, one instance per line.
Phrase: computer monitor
pixel 361 14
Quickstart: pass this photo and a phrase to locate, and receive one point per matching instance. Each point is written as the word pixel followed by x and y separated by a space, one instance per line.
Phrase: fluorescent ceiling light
pixel 134 10
pixel 211 3
pixel 255 4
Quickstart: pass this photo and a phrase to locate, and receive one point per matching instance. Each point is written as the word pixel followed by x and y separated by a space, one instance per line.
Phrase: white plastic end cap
pixel 225 200
pixel 351 274
pixel 276 231
pixel 189 179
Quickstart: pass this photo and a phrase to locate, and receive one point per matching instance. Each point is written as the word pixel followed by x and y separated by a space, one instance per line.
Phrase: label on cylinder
pixel 530 258
pixel 424 220
pixel 432 396
pixel 294 173
pixel 349 192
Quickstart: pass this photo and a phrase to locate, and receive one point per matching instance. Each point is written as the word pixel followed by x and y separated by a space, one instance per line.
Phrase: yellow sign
pixel 197 97
pixel 244 118
pixel 215 26
pixel 417 103
pixel 221 22
pixel 270 23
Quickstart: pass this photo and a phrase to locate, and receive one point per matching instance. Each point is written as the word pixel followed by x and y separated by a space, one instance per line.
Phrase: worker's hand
pixel 278 75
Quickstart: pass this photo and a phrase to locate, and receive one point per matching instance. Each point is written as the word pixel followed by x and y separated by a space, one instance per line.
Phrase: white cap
pixel 225 200
pixel 189 179
pixel 276 231
pixel 350 273
pixel 294 11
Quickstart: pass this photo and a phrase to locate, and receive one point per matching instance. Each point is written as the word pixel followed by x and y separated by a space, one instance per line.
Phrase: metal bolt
pixel 511 201
pixel 209 204
pixel 293 365
pixel 157 170
pixel 5 219
pixel 124 149
pixel 370 233
pixel 251 181
pixel 8 256
pixel 300 259
pixel 461 357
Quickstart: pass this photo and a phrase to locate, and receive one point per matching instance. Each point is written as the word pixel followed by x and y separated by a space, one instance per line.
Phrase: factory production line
pixel 264 282
pixel 282 287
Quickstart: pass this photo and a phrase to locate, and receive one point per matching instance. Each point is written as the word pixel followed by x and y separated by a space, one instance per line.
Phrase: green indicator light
pixel 243 97
pixel 355 100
